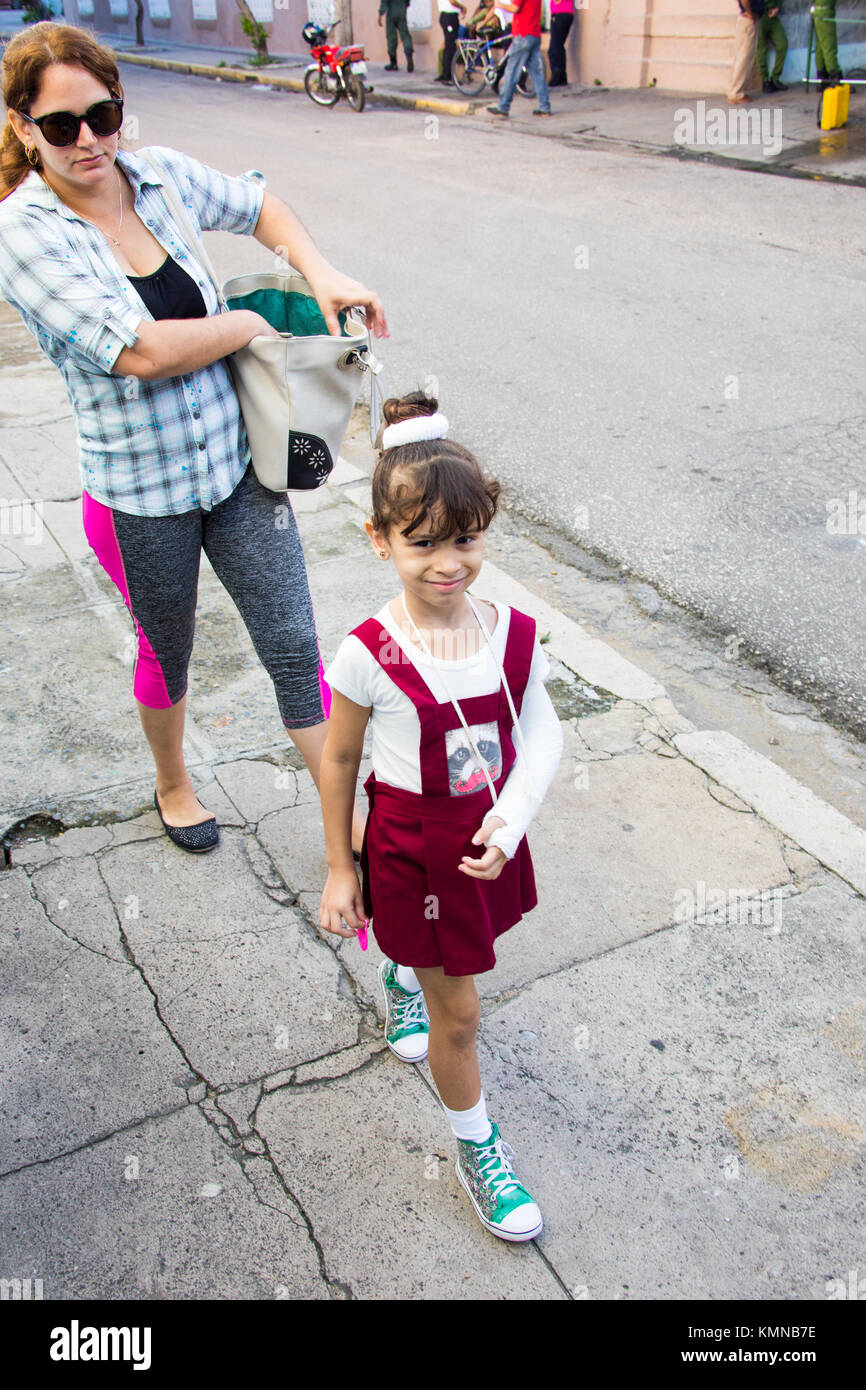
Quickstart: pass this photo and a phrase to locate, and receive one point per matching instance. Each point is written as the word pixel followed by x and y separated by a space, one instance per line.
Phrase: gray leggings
pixel 252 541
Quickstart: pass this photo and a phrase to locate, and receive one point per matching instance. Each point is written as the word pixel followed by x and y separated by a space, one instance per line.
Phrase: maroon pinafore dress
pixel 425 911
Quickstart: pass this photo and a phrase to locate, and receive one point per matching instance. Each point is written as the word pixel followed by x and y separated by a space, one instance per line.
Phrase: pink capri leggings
pixel 252 542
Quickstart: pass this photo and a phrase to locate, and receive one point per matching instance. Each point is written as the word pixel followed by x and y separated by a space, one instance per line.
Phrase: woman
pixel 91 259
pixel 451 13
pixel 561 19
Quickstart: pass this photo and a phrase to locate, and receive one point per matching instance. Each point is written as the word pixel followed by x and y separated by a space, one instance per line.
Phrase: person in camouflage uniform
pixel 771 31
pixel 394 12
pixel 826 44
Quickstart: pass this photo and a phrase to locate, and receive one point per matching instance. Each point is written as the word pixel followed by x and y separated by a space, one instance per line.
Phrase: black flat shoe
pixel 196 839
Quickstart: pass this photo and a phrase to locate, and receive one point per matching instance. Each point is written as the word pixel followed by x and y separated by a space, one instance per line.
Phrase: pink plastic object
pixel 362 935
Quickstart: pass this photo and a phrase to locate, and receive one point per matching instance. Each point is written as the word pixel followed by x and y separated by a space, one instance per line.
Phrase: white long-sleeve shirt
pixel 396 729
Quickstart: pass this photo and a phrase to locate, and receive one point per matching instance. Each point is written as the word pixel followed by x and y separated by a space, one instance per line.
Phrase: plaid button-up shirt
pixel 153 448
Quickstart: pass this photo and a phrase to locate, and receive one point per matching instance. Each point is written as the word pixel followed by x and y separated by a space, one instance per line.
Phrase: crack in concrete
pixel 538 1251
pixel 316 1082
pixel 97 792
pixel 553 1271
pixel 356 995
pixel 130 955
pixel 273 759
pixel 337 1289
pixel 795 888
pixel 95 1140
pixel 78 946
pixel 348 987
pixel 224 1088
pixel 82 945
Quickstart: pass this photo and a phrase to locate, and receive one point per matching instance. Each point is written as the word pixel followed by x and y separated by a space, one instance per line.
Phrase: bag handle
pixel 182 218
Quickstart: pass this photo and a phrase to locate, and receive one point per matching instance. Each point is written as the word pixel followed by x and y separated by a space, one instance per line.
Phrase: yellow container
pixel 834 107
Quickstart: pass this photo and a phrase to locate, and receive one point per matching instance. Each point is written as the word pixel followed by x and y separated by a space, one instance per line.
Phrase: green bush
pixel 36 11
pixel 258 37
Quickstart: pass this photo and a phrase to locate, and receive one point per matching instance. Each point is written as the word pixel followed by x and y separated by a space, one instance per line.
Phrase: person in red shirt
pixel 525 52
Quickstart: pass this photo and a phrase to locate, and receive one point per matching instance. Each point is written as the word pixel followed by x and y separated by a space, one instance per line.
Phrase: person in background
pixel 501 19
pixel 449 19
pixel 771 30
pixel 746 40
pixel 826 42
pixel 485 22
pixel 525 52
pixel 394 12
pixel 561 20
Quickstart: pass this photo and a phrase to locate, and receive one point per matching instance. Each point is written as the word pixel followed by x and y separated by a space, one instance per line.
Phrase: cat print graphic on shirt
pixel 465 773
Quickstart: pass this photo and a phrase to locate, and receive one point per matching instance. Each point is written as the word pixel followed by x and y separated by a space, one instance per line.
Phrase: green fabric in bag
pixel 298 314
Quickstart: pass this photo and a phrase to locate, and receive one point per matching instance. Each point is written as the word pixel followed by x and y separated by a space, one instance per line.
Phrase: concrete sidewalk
pixel 776 134
pixel 198 1102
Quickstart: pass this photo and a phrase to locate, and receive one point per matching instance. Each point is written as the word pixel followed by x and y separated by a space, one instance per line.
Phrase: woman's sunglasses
pixel 62 128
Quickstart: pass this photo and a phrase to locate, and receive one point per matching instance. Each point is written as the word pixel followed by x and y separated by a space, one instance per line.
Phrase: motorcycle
pixel 336 72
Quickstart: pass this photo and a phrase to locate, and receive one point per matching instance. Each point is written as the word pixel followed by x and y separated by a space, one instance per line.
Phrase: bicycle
pixel 476 66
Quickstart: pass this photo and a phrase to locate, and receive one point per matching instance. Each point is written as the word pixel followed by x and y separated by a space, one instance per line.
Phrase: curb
pixel 792 808
pixel 292 84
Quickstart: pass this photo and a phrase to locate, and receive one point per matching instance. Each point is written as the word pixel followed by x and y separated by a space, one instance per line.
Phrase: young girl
pixel 447 681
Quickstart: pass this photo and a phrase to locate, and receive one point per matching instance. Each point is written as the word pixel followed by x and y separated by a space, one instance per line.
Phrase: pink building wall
pixel 685 45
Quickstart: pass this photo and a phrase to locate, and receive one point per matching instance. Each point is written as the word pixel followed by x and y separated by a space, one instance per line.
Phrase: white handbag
pixel 296 392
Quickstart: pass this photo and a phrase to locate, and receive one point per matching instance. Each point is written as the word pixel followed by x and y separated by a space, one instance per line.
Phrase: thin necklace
pixel 93 224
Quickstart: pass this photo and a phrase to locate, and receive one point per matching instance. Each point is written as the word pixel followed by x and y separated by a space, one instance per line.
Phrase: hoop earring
pixel 32 156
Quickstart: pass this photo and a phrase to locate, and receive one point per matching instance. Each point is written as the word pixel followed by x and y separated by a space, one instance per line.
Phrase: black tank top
pixel 170 293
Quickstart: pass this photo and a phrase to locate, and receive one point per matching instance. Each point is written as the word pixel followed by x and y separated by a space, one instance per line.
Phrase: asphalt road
pixel 662 360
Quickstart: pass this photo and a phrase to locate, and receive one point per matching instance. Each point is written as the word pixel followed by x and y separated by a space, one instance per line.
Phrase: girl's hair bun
pixel 408 407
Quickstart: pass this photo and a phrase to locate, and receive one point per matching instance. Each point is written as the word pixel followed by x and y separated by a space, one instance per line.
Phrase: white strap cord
pixel 530 786
pixel 377 398
pixel 171 195
pixel 481 761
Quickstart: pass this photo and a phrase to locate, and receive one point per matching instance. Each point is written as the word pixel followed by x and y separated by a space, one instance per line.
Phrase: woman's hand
pixel 493 861
pixel 334 291
pixel 260 326
pixel 342 898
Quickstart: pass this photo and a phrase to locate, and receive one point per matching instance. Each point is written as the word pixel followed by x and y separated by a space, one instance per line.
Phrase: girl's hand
pixel 491 864
pixel 334 291
pixel 342 898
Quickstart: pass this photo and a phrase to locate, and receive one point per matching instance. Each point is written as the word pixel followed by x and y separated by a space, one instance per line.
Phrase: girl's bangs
pixel 448 510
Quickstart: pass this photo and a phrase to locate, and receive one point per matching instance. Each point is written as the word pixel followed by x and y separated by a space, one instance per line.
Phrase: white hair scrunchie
pixel 414 430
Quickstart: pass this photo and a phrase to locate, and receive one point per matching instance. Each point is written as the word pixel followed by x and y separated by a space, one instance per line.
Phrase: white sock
pixel 407 979
pixel 471 1124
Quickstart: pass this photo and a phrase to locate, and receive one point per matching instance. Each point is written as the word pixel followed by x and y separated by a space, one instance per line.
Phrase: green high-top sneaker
pixel 500 1202
pixel 407 1023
